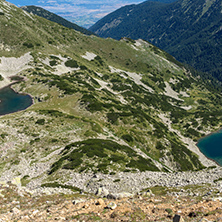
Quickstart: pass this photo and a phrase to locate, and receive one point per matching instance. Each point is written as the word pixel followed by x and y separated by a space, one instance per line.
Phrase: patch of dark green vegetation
pixel 177 114
pixel 71 63
pixel 169 211
pixel 116 158
pixel 40 121
pixel 16 78
pixel 51 42
pixel 53 63
pixel 113 116
pixel 99 61
pixel 69 84
pixel 160 146
pixel 55 113
pixel 4 135
pixel 104 152
pixel 91 103
pixel 96 127
pixel 128 138
pixel 142 164
pixel 28 45
pixel 119 85
pixel 34 141
pixel 54 57
pixel 182 85
pixel 158 101
pixel 219 179
pixel 54 140
pixel 63 85
pixel 1 78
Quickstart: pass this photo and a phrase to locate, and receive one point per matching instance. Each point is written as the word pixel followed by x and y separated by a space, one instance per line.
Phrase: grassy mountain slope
pixel 55 18
pixel 189 30
pixel 100 105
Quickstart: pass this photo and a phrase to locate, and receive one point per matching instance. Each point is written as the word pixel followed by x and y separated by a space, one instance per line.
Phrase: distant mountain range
pixel 82 13
pixel 55 18
pixel 190 30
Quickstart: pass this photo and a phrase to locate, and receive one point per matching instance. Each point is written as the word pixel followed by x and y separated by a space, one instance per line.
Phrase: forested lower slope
pixel 190 30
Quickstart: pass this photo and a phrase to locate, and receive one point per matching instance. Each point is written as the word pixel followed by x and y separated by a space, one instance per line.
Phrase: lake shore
pixel 205 137
pixel 207 162
pixel 190 144
pixel 12 101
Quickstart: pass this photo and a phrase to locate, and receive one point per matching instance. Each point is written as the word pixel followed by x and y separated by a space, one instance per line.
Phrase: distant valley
pixel 55 18
pixel 84 14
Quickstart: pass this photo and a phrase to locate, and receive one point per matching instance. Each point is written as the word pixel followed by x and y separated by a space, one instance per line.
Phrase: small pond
pixel 11 102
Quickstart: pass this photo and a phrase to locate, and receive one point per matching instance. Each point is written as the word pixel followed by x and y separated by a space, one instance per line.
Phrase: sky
pixel 82 12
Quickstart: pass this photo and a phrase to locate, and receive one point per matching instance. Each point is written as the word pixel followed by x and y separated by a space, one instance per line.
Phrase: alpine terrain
pixel 187 29
pixel 109 117
pixel 54 18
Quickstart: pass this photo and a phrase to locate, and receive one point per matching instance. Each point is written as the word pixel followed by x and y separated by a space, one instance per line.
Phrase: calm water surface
pixel 211 146
pixel 12 102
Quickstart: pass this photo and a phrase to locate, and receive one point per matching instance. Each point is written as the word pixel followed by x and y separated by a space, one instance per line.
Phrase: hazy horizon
pixel 84 13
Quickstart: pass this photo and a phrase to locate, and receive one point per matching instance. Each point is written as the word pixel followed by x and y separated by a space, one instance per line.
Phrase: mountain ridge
pixel 55 18
pixel 182 28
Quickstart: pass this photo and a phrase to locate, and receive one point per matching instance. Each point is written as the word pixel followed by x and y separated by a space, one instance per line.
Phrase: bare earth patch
pixel 89 56
pixel 11 66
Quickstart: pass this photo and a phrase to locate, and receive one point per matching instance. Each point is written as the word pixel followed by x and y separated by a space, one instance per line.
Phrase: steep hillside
pixel 104 111
pixel 55 18
pixel 187 29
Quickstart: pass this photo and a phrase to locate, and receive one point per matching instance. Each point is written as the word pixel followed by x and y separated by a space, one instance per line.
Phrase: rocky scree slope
pixel 187 29
pixel 101 107
pixel 190 203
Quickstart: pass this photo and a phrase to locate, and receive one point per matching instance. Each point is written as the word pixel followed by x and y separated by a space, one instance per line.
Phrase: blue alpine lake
pixel 211 146
pixel 11 102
